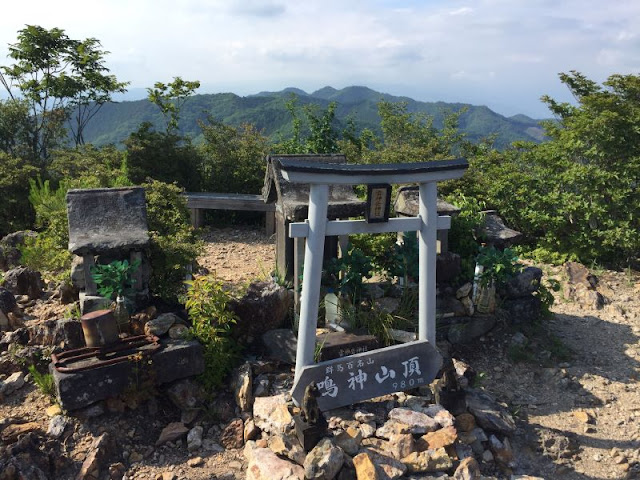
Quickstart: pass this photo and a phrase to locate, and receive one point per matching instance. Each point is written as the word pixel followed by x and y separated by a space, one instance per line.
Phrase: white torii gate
pixel 320 177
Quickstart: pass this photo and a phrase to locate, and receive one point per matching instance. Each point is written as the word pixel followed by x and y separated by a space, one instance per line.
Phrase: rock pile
pixel 399 435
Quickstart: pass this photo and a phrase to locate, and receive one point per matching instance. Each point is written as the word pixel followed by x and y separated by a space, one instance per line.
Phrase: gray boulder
pixel 24 281
pixel 10 248
pixel 523 284
pixel 7 301
pixel 264 307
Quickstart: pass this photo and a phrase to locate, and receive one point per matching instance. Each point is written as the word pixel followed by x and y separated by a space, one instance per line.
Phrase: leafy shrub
pixel 174 243
pixel 345 274
pixel 15 211
pixel 499 265
pixel 212 323
pixel 115 278
pixel 48 251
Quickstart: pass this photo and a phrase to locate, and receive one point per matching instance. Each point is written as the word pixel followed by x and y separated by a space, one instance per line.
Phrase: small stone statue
pixel 310 411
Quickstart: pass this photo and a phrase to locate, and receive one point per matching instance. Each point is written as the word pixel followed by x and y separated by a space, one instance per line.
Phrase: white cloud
pixel 491 48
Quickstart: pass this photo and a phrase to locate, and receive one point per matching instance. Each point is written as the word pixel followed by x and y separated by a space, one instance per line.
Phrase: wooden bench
pixel 197 202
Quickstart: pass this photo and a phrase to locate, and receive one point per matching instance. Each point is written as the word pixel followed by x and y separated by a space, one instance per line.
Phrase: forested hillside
pixel 267 111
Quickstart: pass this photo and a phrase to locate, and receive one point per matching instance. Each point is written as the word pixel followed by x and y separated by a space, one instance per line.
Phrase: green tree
pixel 14 127
pixel 411 137
pixel 232 158
pixel 170 98
pixel 16 212
pixel 319 134
pixel 578 193
pixel 54 74
pixel 163 156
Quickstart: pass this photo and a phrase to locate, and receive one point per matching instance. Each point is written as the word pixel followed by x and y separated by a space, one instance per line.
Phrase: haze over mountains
pixel 268 112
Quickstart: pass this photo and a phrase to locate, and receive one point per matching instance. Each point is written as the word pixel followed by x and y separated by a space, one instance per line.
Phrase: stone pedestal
pixel 177 359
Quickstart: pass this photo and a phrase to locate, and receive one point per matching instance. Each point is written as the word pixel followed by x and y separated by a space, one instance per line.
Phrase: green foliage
pixel 499 265
pixel 412 137
pixel 15 210
pixel 55 74
pixel 345 275
pixel 403 258
pixel 376 247
pixel 174 243
pixel 577 194
pixel 212 324
pixel 44 381
pixel 115 279
pixel 165 157
pixel 170 98
pixel 14 127
pixel 232 158
pixel 318 134
pixel 462 234
pixel 48 251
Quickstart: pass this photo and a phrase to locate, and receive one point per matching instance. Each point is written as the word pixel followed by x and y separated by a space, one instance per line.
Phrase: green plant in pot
pixel 115 281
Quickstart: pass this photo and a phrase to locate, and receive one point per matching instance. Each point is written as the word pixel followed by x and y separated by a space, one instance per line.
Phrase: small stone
pixel 57 425
pixel 401 445
pixel 465 422
pixel 464 290
pixel 440 438
pixel 391 427
pixel 349 440
pixel 233 434
pixel 365 468
pixel 419 423
pixel 135 457
pixel 53 410
pixel 251 432
pixel 117 471
pixel 194 438
pixel 324 461
pixel 265 465
pixel 14 382
pixel 487 456
pixel 179 331
pixel 172 432
pixel 287 446
pixel 368 429
pixel 271 414
pixel 436 460
pixel 195 462
pixel 159 326
pixel 582 416
pixel 364 417
pixel 467 470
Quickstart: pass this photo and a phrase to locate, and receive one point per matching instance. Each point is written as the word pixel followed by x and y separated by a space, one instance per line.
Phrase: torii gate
pixel 320 177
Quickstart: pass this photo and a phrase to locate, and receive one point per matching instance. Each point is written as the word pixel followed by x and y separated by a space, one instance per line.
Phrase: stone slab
pixel 107 220
pixel 177 359
pixel 342 344
pixel 352 379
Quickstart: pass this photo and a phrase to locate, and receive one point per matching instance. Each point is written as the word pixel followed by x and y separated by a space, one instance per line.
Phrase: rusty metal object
pixel 100 328
pixel 88 358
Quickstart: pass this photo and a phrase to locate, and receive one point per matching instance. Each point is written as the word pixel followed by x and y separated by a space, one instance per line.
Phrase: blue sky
pixel 501 53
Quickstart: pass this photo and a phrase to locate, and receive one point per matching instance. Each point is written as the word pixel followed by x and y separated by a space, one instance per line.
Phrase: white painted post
pixel 310 298
pixel 427 257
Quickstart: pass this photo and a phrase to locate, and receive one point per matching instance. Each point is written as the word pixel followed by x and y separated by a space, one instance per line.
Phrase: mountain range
pixel 267 111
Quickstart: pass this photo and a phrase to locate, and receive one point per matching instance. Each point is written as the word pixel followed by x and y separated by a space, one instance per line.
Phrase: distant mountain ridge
pixel 267 112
